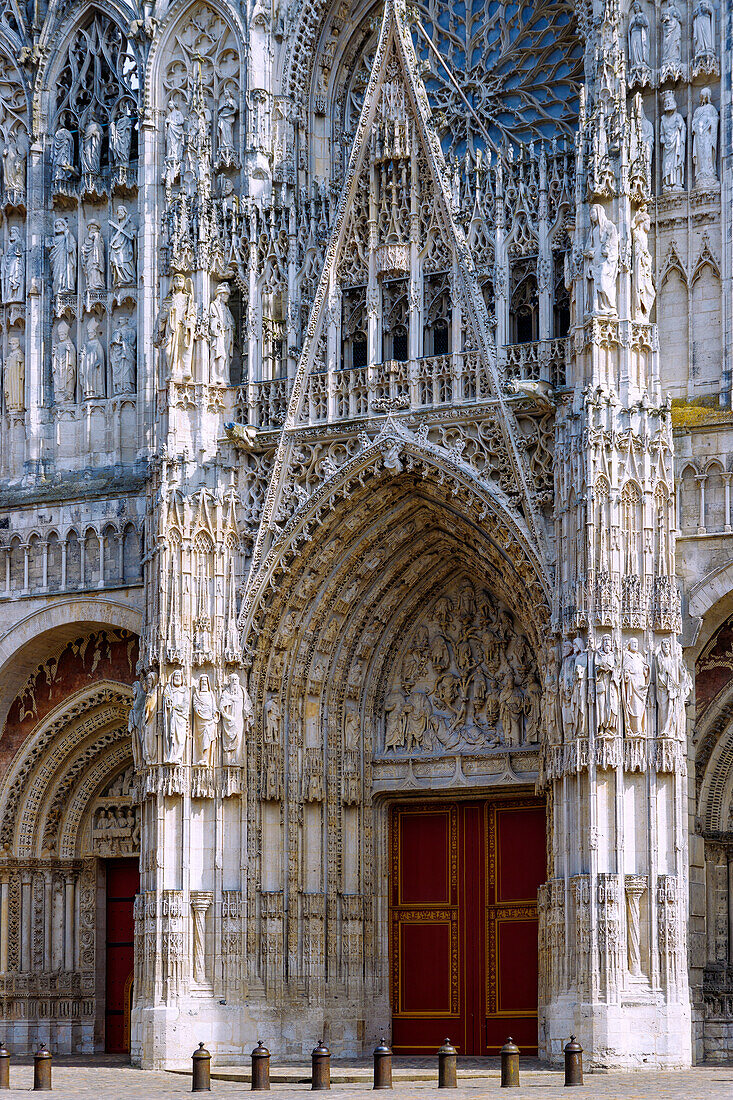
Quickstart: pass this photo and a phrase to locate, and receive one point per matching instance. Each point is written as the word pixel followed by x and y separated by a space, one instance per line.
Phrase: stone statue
pixel 135 724
pixel 532 708
pixel 237 715
pixel 579 690
pixel 63 258
pixel 644 292
pixel 703 31
pixel 120 136
pixel 63 366
pixel 177 708
pixel 601 254
pixel 62 157
pixel 511 710
pixel 271 785
pixel 225 119
pixel 221 328
pixel 607 688
pixel 205 723
pixel 175 128
pixel 642 136
pixel 13 268
pixel 92 257
pixel 673 687
pixel 635 689
pixel 638 41
pixel 91 148
pixel 14 167
pixel 91 363
pixel 705 141
pixel 14 376
pixel 671 40
pixel 150 716
pixel 672 135
pixel 122 355
pixel 175 330
pixel 567 678
pixel 122 250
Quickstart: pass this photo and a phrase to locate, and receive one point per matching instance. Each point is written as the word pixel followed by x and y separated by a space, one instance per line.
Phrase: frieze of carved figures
pixel 13 268
pixel 14 376
pixel 63 258
pixel 705 141
pixel 466 678
pixel 673 139
pixel 175 330
pixel 602 260
pixel 115 830
pixel 123 355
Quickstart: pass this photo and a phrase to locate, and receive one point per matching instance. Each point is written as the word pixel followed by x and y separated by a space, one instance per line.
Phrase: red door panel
pixel 463 923
pixel 123 882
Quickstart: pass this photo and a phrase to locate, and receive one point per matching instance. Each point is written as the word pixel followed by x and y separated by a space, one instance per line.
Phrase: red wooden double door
pixel 123 882
pixel 463 923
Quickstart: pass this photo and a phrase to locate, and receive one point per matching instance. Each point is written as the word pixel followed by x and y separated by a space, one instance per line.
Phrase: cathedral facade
pixel 366 596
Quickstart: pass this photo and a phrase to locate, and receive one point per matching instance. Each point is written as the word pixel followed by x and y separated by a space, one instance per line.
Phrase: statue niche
pixel 464 678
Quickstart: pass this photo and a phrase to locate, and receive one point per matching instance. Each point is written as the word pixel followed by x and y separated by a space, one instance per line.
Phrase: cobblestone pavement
pixel 102 1079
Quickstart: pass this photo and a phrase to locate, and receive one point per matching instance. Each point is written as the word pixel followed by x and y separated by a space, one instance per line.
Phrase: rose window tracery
pixel 517 65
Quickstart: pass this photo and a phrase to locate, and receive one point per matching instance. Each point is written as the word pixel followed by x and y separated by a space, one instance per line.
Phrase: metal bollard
pixel 382 1066
pixel 4 1068
pixel 510 1065
pixel 573 1062
pixel 447 1056
pixel 321 1068
pixel 201 1070
pixel 260 1068
pixel 42 1070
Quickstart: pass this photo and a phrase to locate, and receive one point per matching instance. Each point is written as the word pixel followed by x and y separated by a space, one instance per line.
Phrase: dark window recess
pixel 440 340
pixel 399 349
pixel 359 353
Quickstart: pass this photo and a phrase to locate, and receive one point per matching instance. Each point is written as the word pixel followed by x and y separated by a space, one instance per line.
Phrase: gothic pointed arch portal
pixel 68 819
pixel 400 654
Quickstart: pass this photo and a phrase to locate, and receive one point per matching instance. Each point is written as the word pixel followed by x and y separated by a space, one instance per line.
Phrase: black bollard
pixel 201 1070
pixel 510 1065
pixel 321 1068
pixel 573 1062
pixel 447 1056
pixel 260 1068
pixel 42 1070
pixel 4 1068
pixel 382 1066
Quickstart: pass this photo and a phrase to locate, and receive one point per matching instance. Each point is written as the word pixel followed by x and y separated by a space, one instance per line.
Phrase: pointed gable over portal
pixel 394 220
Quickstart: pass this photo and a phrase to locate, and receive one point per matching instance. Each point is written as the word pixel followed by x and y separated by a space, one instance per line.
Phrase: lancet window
pixel 354 331
pixel 438 313
pixel 395 320
pixel 95 119
pixel 524 305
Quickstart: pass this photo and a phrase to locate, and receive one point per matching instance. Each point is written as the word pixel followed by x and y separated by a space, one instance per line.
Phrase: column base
pixel 632 1033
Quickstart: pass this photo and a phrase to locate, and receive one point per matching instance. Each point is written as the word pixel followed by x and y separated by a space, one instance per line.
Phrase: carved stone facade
pixel 365 430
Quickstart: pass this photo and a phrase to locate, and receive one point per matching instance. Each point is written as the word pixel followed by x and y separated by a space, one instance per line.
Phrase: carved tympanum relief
pixel 465 678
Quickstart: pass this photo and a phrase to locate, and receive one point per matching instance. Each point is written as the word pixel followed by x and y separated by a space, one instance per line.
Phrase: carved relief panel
pixel 465 678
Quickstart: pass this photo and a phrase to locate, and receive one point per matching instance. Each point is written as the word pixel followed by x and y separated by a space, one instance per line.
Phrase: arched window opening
pixel 395 320
pixel 560 298
pixel 524 302
pixel 438 315
pixel 354 343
